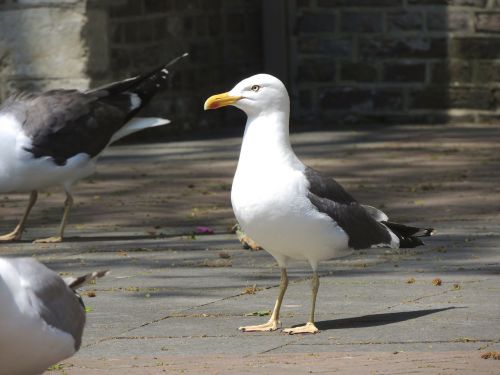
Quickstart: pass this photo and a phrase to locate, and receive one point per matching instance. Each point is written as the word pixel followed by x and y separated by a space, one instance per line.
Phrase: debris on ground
pixel 246 241
pixel 437 281
pixel 491 355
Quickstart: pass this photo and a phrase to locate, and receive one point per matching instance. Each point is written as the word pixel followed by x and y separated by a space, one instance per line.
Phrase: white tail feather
pixel 136 124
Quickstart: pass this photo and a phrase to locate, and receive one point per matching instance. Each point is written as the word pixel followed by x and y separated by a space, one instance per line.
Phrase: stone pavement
pixel 175 298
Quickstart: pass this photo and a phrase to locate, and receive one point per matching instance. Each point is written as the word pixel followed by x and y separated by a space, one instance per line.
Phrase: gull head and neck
pixel 265 101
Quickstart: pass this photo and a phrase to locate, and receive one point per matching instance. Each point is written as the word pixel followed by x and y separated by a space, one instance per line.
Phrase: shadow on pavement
pixel 376 319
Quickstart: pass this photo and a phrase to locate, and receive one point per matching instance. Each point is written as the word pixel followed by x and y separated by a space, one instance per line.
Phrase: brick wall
pixel 349 61
pixel 393 61
pixel 223 38
pixel 85 43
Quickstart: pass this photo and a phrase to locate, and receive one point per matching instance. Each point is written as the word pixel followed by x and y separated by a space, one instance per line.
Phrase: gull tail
pixel 136 124
pixel 78 282
pixel 408 236
pixel 140 89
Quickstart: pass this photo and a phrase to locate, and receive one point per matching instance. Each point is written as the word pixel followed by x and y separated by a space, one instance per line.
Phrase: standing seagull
pixel 293 211
pixel 56 137
pixel 41 316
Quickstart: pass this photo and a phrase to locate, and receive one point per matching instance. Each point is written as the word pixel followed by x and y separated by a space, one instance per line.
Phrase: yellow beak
pixel 220 100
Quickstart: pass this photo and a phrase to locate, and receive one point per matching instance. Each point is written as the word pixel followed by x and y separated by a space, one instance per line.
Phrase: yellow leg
pixel 273 322
pixel 309 327
pixel 17 233
pixel 68 203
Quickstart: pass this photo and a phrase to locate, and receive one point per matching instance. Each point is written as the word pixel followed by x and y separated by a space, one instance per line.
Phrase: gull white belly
pixel 275 212
pixel 20 171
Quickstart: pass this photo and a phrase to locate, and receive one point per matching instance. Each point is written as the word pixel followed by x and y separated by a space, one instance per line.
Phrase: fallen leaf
pixel 251 289
pixel 411 280
pixel 492 355
pixel 437 281
pixel 89 293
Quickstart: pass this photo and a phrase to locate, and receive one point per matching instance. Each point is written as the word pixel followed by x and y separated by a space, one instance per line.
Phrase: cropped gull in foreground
pixel 41 316
pixel 291 210
pixel 56 137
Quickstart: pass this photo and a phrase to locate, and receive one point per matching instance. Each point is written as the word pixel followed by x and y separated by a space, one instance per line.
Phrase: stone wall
pixel 223 38
pixel 345 61
pixel 85 43
pixel 41 45
pixel 393 61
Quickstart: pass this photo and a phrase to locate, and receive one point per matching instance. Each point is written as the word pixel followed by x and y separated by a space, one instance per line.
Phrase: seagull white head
pixel 256 95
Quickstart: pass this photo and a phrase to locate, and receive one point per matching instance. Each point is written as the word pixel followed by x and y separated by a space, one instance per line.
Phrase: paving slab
pixel 175 298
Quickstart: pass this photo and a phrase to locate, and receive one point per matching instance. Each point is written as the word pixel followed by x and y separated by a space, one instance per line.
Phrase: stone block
pixel 120 59
pixel 46 2
pixel 327 46
pixel 451 72
pixel 470 3
pixel 117 33
pixel 145 31
pixel 235 23
pixel 447 21
pixel 160 28
pixel 214 25
pixel 126 9
pixel 305 99
pixel 303 4
pixel 442 97
pixel 186 4
pixel 57 51
pixel 310 22
pixel 361 99
pixel 358 3
pixel 316 70
pixel 96 39
pixel 406 47
pixel 157 6
pixel 488 22
pixel 486 72
pixel 474 47
pixel 358 72
pixel 404 21
pixel 361 22
pixel 211 5
pixel 132 30
pixel 404 72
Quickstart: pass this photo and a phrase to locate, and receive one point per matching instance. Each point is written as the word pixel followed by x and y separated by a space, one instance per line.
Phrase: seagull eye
pixel 255 88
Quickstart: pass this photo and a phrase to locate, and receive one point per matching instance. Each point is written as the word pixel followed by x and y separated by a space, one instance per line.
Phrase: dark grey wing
pixel 329 197
pixel 64 123
pixel 57 304
pixel 363 231
pixel 326 187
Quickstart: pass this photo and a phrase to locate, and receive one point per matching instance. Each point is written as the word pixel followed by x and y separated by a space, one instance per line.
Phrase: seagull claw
pixel 309 327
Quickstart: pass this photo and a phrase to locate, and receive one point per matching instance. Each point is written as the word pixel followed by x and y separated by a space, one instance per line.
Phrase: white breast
pixel 27 344
pixel 269 198
pixel 20 171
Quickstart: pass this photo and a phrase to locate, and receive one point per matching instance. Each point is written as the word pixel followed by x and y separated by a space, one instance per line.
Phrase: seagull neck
pixel 267 138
